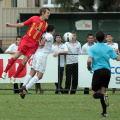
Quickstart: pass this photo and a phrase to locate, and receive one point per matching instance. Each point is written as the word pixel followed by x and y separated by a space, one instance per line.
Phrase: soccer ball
pixel 68 37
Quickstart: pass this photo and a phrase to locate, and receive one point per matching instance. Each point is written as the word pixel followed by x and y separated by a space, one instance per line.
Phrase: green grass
pixel 56 107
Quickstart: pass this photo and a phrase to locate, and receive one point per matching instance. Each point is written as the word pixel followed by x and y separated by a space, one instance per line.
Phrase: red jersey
pixel 37 27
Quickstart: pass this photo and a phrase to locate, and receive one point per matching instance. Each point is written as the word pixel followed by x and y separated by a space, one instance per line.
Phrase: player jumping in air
pixel 39 61
pixel 29 42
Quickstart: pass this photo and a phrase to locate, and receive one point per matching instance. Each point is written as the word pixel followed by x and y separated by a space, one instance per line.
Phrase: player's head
pixel 58 38
pixel 100 36
pixel 74 35
pixel 18 38
pixel 90 38
pixel 109 38
pixel 51 29
pixel 45 12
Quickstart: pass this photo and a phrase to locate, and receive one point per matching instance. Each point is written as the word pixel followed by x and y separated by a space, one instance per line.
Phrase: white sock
pixel 32 82
pixel 27 79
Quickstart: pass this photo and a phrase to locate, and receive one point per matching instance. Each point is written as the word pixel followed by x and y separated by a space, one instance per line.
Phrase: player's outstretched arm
pixel 15 25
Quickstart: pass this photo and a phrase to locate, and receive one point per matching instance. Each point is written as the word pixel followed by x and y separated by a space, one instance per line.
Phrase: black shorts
pixel 100 79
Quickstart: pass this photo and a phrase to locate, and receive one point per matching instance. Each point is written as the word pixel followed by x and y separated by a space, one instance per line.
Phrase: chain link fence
pixel 67 83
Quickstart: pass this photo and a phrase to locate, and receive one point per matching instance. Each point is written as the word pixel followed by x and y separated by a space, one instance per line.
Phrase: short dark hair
pixel 50 28
pixel 100 36
pixel 108 34
pixel 57 35
pixel 90 34
pixel 73 32
pixel 44 10
pixel 18 37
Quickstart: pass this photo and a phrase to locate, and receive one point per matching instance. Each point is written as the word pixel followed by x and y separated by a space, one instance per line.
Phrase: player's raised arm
pixel 15 25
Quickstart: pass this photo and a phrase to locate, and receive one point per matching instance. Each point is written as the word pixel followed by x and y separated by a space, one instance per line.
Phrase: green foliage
pixel 73 5
pixel 87 5
pixel 68 5
pixel 106 6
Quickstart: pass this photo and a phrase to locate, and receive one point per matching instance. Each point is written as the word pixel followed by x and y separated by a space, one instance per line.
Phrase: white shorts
pixel 39 63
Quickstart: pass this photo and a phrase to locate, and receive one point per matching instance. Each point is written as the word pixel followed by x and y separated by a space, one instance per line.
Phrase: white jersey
pixel 40 56
pixel 113 45
pixel 62 47
pixel 73 49
pixel 12 48
pixel 47 47
pixel 85 48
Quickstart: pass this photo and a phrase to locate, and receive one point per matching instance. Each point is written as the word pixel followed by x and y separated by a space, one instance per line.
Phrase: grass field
pixel 56 107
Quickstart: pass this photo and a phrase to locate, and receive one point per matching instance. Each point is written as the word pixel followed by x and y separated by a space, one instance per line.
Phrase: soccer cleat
pixel 106 99
pixel 12 80
pixel 23 91
pixel 104 115
pixel 4 74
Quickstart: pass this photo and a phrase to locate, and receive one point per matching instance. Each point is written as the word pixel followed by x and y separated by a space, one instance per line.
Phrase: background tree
pixel 87 5
pixel 67 5
pixel 74 5
pixel 117 5
pixel 106 5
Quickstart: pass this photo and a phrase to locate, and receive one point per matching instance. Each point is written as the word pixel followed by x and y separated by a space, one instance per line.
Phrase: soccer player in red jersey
pixel 29 42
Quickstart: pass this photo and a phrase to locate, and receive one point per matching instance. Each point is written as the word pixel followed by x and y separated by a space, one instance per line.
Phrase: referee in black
pixel 98 60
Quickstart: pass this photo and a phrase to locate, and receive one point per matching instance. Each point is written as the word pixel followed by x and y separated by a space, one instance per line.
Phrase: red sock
pixel 10 63
pixel 19 70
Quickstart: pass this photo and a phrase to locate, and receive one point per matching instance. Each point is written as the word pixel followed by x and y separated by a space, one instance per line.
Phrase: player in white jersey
pixel 59 48
pixel 39 61
pixel 74 47
pixel 85 50
pixel 110 43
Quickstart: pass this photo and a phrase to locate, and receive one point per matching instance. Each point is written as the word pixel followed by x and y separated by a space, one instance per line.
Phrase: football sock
pixel 19 70
pixel 103 105
pixel 27 79
pixel 32 82
pixel 101 97
pixel 10 63
pixel 98 95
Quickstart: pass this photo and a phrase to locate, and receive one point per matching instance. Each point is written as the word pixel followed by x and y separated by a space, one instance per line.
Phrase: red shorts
pixel 27 46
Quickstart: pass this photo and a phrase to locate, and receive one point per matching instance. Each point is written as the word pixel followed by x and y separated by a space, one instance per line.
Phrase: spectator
pixel 38 87
pixel 12 50
pixel 110 43
pixel 74 47
pixel 1 51
pixel 59 48
pixel 85 50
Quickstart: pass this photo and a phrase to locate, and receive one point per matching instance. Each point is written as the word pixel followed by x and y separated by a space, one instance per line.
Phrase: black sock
pixel 103 105
pixel 98 95
pixel 101 97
